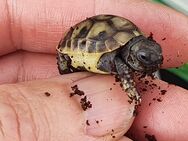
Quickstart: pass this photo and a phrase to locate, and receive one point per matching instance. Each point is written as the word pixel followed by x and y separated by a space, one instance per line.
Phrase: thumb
pixel 111 114
pixel 43 110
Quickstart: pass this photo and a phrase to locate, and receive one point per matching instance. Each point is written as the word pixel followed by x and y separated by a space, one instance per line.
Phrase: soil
pixel 76 91
pixel 87 122
pixel 85 104
pixel 47 94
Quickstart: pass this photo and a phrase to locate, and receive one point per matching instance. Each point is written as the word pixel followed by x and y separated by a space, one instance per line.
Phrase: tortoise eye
pixel 149 57
pixel 144 57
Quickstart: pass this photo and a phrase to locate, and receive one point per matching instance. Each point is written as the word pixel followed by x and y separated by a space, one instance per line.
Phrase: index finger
pixel 38 26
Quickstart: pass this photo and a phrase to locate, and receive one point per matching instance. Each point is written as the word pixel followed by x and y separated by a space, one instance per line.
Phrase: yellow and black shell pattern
pixel 88 40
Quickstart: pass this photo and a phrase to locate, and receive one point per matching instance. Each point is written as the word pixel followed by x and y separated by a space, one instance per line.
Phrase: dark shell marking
pixel 99 34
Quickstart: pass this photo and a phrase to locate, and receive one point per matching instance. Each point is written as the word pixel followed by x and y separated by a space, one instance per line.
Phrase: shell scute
pixel 81 30
pixel 100 47
pixel 99 34
pixel 122 24
pixel 123 37
pixel 102 17
pixel 100 31
pixel 90 47
pixel 111 43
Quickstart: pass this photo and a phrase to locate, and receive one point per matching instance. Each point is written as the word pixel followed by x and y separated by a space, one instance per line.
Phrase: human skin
pixel 29 32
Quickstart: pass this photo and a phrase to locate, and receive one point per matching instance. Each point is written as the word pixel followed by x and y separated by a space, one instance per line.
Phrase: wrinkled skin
pixel 27 114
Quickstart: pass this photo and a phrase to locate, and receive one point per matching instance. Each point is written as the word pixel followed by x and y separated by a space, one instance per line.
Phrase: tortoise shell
pixel 88 40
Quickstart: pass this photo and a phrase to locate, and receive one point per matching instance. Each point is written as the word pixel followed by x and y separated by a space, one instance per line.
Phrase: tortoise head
pixel 143 54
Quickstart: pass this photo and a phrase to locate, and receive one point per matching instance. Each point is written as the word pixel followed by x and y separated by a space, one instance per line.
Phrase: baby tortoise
pixel 109 44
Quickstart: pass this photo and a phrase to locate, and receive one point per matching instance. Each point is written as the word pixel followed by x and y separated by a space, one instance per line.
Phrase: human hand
pixel 28 114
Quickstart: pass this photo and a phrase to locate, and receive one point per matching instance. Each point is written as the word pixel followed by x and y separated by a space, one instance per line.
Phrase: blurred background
pixel 177 76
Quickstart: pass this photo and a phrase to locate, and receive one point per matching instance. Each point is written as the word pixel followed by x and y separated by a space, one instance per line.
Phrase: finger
pixel 163 113
pixel 103 104
pixel 41 30
pixel 6 42
pixel 38 26
pixel 44 110
pixel 24 66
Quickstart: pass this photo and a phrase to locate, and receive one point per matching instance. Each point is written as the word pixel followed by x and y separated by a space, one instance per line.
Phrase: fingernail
pixel 109 112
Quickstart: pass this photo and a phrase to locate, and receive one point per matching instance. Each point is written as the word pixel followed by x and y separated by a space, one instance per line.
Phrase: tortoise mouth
pixel 151 69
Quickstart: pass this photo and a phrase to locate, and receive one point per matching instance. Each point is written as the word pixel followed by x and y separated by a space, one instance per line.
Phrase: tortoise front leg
pixel 126 78
pixel 64 63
